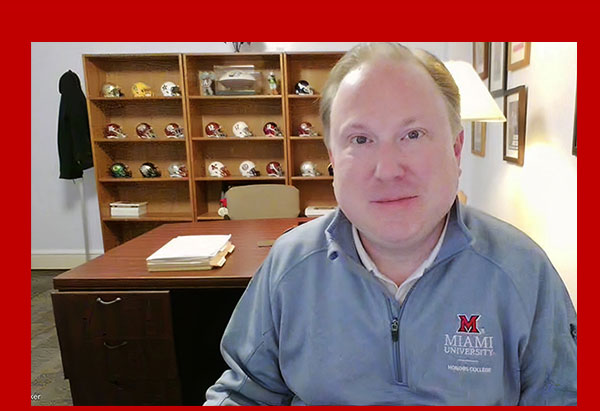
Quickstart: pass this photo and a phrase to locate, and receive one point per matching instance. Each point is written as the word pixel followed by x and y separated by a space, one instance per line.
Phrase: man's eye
pixel 414 134
pixel 360 140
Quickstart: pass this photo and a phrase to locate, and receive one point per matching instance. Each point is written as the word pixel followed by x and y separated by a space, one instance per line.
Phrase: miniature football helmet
pixel 172 130
pixel 114 130
pixel 248 169
pixel 213 129
pixel 302 87
pixel 240 129
pixel 330 169
pixel 274 169
pixel 119 170
pixel 149 170
pixel 218 169
pixel 271 129
pixel 170 89
pixel 177 170
pixel 141 89
pixel 305 130
pixel 111 90
pixel 309 169
pixel 144 131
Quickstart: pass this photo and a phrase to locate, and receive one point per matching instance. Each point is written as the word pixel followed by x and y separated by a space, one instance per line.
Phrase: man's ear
pixel 330 157
pixel 458 145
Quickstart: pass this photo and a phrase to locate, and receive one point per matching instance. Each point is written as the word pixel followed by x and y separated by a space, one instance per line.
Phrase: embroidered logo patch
pixel 469 346
pixel 468 325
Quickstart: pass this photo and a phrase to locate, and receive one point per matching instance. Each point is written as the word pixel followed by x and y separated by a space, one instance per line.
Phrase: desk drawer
pixel 115 334
pixel 123 359
pixel 125 392
pixel 114 314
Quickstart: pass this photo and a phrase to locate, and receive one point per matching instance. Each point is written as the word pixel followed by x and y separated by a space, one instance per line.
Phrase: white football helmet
pixel 248 169
pixel 172 130
pixel 240 129
pixel 111 90
pixel 309 169
pixel 218 169
pixel 170 89
pixel 177 170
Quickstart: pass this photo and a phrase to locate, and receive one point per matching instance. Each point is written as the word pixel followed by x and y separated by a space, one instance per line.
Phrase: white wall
pixel 540 198
pixel 57 224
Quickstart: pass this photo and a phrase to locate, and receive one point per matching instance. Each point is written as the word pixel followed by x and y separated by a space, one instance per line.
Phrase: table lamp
pixel 476 102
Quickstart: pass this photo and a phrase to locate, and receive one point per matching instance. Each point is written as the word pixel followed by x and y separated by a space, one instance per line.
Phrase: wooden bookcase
pixel 255 110
pixel 169 199
pixel 314 68
pixel 197 197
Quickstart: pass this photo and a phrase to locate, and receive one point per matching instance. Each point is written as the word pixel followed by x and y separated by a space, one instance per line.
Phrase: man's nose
pixel 390 163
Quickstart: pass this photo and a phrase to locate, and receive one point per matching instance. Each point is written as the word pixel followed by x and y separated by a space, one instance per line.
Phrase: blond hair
pixel 365 52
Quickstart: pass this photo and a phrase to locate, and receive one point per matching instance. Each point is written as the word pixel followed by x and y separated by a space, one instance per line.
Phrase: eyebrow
pixel 361 126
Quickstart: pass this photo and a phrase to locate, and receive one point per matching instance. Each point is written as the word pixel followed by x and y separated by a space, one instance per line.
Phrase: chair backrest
pixel 263 201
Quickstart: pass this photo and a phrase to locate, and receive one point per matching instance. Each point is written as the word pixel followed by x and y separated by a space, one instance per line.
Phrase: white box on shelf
pixel 128 208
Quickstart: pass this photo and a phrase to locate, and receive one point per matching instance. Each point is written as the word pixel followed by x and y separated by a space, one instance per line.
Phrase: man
pixel 403 296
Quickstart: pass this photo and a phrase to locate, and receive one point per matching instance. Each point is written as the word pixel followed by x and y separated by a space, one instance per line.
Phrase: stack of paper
pixel 191 252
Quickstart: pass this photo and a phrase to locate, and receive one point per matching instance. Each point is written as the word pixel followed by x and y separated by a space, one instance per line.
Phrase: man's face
pixel 396 161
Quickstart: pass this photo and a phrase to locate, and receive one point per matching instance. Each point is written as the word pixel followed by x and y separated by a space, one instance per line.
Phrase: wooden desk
pixel 131 337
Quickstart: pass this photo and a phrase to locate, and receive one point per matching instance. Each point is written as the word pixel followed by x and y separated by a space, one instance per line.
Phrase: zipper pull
pixel 395 329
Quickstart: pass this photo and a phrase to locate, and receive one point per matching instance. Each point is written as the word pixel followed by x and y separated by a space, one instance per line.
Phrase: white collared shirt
pixel 398 292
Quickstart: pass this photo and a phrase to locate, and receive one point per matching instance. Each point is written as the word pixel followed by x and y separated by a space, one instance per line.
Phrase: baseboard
pixel 58 261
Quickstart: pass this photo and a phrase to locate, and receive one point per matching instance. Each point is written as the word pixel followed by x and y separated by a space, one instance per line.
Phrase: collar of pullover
pixel 340 240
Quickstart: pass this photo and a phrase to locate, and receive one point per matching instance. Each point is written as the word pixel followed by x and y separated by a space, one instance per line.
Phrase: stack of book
pixel 191 252
pixel 128 208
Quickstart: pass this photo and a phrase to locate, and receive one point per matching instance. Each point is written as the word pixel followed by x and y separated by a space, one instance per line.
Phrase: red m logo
pixel 468 326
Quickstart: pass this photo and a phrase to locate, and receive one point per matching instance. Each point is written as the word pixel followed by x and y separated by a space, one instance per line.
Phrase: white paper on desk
pixel 190 248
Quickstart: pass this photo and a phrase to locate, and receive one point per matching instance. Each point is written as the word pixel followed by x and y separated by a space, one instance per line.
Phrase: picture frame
pixel 515 111
pixel 481 53
pixel 518 55
pixel 497 66
pixel 478 134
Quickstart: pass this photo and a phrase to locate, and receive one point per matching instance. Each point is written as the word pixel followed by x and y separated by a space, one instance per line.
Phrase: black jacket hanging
pixel 74 145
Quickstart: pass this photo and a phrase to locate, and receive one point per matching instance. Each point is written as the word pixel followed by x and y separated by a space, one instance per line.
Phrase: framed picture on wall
pixel 497 68
pixel 515 111
pixel 481 52
pixel 478 138
pixel 518 55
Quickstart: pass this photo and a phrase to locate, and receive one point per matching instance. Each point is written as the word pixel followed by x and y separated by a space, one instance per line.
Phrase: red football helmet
pixel 172 130
pixel 144 130
pixel 213 129
pixel 305 130
pixel 271 129
pixel 113 130
pixel 274 169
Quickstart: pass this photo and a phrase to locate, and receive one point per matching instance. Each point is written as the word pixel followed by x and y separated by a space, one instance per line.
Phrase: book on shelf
pixel 191 252
pixel 128 208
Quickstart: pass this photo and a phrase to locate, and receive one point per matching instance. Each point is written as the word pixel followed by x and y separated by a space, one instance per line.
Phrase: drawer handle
pixel 112 347
pixel 101 301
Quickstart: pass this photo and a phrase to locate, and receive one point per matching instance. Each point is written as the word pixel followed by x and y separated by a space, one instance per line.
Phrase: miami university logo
pixel 468 325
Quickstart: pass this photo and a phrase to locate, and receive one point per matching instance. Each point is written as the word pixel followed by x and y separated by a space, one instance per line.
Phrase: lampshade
pixel 476 102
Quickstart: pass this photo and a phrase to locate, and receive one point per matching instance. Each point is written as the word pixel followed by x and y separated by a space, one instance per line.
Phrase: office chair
pixel 263 201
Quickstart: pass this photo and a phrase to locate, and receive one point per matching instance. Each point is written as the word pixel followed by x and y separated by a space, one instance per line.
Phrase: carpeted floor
pixel 48 386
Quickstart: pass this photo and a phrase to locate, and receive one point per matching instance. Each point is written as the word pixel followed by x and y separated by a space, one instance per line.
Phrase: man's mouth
pixel 392 200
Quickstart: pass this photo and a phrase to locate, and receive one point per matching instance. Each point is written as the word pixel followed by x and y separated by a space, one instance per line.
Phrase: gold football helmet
pixel 141 89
